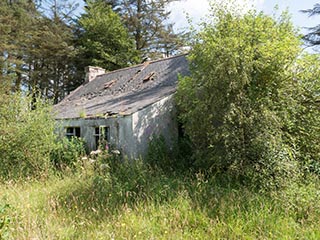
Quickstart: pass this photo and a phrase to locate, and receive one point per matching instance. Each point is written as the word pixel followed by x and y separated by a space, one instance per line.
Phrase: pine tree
pixel 16 20
pixel 37 50
pixel 50 54
pixel 103 39
pixel 313 37
pixel 51 59
pixel 148 23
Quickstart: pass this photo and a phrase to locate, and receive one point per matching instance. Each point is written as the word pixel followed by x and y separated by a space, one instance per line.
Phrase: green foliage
pixel 299 203
pixel 52 54
pixel 148 23
pixel 132 200
pixel 233 106
pixel 15 24
pixel 26 136
pixel 36 52
pixel 159 155
pixel 103 39
pixel 4 221
pixel 304 122
pixel 67 153
pixel 114 184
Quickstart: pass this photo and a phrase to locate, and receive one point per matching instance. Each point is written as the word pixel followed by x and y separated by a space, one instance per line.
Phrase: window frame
pixel 76 132
pixel 104 131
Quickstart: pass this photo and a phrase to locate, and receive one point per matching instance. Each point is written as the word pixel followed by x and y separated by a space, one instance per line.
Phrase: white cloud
pixel 195 9
pixel 198 9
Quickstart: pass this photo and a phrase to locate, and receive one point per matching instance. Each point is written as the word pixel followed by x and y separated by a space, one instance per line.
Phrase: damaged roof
pixel 124 91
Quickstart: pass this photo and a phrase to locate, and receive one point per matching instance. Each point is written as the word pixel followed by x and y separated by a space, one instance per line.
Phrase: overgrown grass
pixel 134 201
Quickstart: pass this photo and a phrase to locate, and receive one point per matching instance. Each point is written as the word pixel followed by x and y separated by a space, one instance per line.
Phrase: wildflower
pixel 95 152
pixel 116 152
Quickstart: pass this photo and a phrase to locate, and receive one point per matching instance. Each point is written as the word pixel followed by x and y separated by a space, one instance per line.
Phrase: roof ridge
pixel 167 58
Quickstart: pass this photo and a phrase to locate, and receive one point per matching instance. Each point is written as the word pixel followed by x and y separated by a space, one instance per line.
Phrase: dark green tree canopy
pixel 103 39
pixel 37 52
pixel 45 50
pixel 148 23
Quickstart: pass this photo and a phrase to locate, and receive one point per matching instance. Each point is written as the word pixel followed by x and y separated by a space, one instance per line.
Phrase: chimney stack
pixel 93 72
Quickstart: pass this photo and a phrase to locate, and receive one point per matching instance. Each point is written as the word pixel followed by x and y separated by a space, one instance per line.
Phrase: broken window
pixel 102 136
pixel 72 132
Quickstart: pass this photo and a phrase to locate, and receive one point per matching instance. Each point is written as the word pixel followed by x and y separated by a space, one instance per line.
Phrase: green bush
pixel 26 136
pixel 303 124
pixel 178 158
pixel 234 104
pixel 67 152
pixel 158 153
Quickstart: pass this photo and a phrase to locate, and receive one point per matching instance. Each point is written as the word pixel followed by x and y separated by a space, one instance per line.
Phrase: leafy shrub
pixel 158 153
pixel 177 158
pixel 303 124
pixel 183 154
pixel 26 136
pixel 67 152
pixel 234 104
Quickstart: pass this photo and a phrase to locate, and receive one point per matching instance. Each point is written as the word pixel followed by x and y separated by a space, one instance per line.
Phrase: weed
pixel 133 200
pixel 4 221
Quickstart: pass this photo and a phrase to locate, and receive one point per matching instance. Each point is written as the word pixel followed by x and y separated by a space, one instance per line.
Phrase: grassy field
pixel 138 202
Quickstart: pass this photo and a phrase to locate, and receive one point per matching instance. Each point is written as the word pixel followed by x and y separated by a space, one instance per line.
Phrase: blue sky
pixel 197 9
pixel 299 19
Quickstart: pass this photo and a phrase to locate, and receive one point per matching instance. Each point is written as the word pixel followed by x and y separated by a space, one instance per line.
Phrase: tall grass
pixel 135 201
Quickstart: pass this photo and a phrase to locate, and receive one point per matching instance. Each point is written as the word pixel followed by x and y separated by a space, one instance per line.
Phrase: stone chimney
pixel 93 72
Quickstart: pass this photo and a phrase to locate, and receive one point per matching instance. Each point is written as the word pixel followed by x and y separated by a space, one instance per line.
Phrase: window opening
pixel 102 136
pixel 73 132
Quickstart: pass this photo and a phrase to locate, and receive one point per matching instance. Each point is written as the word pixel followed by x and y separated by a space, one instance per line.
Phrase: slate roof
pixel 124 91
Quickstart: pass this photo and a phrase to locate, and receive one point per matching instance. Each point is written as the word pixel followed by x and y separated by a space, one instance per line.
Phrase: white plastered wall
pixel 154 120
pixel 131 134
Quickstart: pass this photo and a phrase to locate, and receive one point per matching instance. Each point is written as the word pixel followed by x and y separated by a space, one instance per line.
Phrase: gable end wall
pixel 154 120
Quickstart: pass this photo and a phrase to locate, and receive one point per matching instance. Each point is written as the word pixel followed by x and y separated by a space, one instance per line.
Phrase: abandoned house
pixel 125 107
